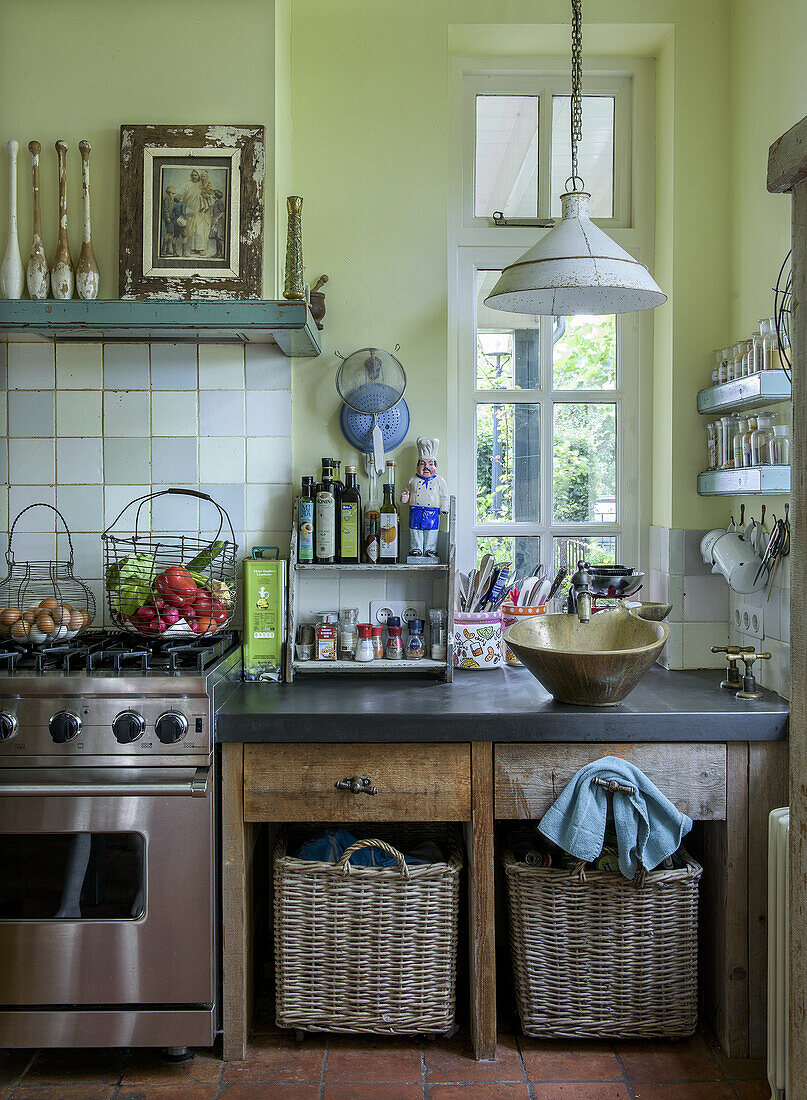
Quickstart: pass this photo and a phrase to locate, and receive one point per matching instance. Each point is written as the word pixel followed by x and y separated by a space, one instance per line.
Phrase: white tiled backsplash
pixel 703 609
pixel 92 426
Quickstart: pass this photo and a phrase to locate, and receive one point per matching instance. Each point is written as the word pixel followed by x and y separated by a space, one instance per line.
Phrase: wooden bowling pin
pixel 62 278
pixel 37 274
pixel 11 277
pixel 87 268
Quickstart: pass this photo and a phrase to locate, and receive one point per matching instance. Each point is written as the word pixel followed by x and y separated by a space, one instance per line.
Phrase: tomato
pixel 176 586
pixel 219 612
pixel 205 625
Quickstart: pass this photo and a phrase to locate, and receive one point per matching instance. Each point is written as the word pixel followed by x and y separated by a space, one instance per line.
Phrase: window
pixel 546 443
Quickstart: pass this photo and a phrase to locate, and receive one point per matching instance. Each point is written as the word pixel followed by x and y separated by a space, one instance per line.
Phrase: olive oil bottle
pixel 325 519
pixel 305 523
pixel 389 527
pixel 350 519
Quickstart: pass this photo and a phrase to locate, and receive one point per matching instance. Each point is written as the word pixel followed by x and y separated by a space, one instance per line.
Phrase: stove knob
pixel 171 728
pixel 8 726
pixel 128 726
pixel 64 726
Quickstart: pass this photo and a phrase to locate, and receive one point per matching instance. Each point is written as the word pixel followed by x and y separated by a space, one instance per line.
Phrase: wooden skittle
pixel 62 277
pixel 87 269
pixel 37 274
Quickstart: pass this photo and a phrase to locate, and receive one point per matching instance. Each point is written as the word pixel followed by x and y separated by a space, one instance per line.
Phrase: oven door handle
pixel 196 788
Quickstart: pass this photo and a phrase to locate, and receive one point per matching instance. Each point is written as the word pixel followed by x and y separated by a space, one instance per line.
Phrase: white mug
pixel 735 559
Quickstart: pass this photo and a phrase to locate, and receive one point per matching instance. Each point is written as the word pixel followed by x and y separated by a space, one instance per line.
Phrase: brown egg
pixel 76 620
pixel 49 604
pixel 61 616
pixel 19 629
pixel 45 622
pixel 10 615
pixel 68 607
pixel 31 616
pixel 85 616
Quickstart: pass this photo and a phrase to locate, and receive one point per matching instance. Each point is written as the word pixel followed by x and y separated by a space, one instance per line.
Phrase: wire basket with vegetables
pixel 42 602
pixel 170 586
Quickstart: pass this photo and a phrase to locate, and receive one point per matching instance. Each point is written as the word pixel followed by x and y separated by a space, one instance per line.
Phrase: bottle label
pixel 305 530
pixel 371 549
pixel 350 529
pixel 389 536
pixel 326 525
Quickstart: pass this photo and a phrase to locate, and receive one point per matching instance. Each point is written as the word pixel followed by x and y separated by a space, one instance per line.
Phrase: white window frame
pixel 476 244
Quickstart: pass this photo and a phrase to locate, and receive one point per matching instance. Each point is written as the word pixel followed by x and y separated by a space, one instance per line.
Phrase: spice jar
pixel 364 647
pixel 378 642
pixel 437 627
pixel 326 633
pixel 749 431
pixel 348 635
pixel 723 369
pixel 757 350
pixel 415 649
pixel 780 445
pixel 737 443
pixel 394 650
pixel 771 359
pixel 760 442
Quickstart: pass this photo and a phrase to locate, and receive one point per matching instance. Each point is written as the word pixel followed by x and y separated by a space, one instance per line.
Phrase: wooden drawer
pixel 528 778
pixel 414 782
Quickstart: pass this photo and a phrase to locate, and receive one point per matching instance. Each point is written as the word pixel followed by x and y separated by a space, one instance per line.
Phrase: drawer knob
pixel 613 785
pixel 357 784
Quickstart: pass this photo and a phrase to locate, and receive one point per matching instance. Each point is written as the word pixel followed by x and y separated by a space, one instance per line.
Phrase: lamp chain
pixel 577 80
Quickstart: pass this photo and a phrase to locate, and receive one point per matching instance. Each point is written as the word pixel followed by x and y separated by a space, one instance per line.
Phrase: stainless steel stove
pixel 108 841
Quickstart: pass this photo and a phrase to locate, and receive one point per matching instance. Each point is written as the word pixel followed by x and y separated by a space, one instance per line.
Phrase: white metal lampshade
pixel 575 268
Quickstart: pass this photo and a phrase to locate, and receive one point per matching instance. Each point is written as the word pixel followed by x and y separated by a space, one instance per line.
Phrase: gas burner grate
pixel 116 651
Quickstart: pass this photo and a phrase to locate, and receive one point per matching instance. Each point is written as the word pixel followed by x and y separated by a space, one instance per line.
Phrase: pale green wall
pixel 79 69
pixel 371 121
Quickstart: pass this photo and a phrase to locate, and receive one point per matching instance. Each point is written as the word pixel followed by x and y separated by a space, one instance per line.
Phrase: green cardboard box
pixel 264 618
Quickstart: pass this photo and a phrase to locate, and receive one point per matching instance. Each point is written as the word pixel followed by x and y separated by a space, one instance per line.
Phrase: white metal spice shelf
pixel 769 480
pixel 299 573
pixel 768 387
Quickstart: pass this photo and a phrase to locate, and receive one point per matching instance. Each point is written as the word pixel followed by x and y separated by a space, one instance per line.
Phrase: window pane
pixel 507 355
pixel 584 353
pixel 507 463
pixel 595 153
pixel 567 550
pixel 506 175
pixel 522 551
pixel 584 463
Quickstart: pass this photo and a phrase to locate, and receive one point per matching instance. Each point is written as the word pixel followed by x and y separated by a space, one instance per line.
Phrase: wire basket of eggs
pixel 42 602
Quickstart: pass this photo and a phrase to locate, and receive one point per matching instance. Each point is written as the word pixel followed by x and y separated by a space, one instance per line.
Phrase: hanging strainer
pixel 371 382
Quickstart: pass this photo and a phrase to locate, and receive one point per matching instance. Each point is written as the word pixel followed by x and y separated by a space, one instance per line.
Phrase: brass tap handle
pixel 735 650
pixel 749 657
pixel 356 784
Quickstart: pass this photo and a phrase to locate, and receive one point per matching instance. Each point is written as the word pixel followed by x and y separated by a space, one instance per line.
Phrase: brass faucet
pixel 579 601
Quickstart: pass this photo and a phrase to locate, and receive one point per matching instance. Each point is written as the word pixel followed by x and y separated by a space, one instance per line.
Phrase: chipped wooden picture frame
pixel 191 212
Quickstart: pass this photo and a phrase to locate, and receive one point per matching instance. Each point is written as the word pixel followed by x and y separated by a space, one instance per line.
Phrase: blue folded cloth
pixel 329 847
pixel 648 827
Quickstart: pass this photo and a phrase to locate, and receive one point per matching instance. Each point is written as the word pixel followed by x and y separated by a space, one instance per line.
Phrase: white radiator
pixel 778 951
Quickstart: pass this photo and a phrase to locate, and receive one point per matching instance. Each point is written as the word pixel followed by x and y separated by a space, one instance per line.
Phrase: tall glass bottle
pixel 338 488
pixel 325 519
pixel 305 522
pixel 350 520
pixel 389 527
pixel 372 518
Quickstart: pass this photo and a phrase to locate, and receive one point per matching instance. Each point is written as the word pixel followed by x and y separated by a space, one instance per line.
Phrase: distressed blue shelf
pixel 287 324
pixel 768 480
pixel 769 387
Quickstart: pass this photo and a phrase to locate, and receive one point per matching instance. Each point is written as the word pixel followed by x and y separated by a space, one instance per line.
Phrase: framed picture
pixel 191 212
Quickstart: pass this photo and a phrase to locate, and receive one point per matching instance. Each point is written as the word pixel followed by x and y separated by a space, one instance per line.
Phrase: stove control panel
pixel 104 726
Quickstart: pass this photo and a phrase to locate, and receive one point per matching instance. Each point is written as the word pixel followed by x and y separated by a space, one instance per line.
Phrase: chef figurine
pixel 427 496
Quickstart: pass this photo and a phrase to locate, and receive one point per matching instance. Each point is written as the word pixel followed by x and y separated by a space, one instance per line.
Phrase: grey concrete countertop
pixel 506 705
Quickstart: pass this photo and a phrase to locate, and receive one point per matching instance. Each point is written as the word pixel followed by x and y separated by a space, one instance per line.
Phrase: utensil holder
pixel 478 639
pixel 511 614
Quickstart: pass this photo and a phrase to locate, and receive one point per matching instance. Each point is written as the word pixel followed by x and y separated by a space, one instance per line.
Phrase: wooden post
pixel 481 903
pixel 787 171
pixel 235 904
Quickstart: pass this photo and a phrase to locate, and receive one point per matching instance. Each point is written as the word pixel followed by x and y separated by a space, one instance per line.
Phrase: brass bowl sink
pixel 656 612
pixel 596 663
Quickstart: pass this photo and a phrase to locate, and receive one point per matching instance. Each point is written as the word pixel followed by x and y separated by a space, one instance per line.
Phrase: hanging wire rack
pixel 782 308
pixel 42 602
pixel 170 586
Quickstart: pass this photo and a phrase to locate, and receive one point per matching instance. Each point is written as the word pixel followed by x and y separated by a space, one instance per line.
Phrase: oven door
pixel 106 887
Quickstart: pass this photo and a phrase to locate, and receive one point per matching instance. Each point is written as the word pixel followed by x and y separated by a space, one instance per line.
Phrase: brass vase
pixel 294 288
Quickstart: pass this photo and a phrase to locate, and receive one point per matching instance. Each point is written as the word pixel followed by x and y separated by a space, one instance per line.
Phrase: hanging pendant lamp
pixel 575 268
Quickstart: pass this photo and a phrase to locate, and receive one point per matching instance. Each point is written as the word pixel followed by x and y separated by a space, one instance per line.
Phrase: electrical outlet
pixel 748 619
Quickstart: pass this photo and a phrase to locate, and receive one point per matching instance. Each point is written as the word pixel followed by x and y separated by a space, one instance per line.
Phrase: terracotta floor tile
pixel 578 1090
pixel 479 1091
pixel 147 1068
pixel 451 1060
pixel 278 1060
pixel 374 1092
pixel 63 1092
pixel 753 1090
pixel 69 1067
pixel 191 1090
pixel 268 1091
pixel 702 1090
pixel 685 1060
pixel 393 1063
pixel 742 1069
pixel 565 1060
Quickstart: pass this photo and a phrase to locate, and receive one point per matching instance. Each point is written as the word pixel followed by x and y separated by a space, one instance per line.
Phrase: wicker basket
pixel 595 955
pixel 367 949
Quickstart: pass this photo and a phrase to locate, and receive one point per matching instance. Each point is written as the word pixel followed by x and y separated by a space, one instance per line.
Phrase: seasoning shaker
pixel 378 642
pixel 437 627
pixel 348 635
pixel 394 650
pixel 364 647
pixel 415 648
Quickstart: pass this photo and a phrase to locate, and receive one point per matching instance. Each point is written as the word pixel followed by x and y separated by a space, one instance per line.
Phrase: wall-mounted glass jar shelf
pixel 769 387
pixel 750 479
pixel 287 324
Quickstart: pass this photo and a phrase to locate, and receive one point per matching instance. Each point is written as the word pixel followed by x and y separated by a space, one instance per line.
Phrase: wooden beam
pixel 235 904
pixel 481 903
pixel 787 159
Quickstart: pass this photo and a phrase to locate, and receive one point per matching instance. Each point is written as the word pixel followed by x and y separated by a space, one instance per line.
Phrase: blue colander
pixel 358 427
